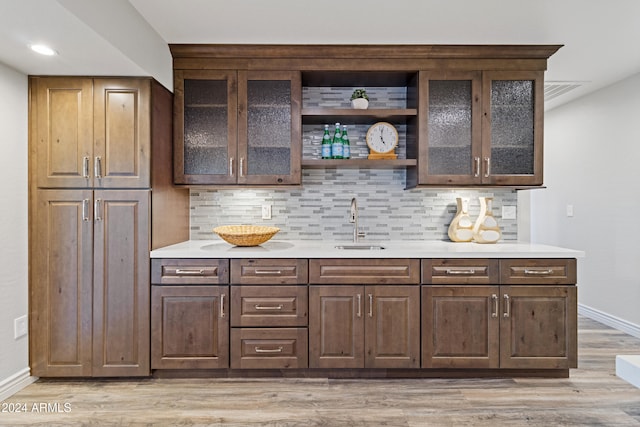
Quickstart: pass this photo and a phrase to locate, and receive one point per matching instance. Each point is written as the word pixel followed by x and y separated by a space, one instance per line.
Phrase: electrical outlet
pixel 508 212
pixel 266 211
pixel 19 327
pixel 569 211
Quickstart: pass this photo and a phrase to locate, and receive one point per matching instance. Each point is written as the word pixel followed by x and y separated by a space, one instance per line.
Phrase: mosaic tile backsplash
pixel 319 209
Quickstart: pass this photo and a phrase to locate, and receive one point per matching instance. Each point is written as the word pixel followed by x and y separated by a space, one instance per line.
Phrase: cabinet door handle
pixel 545 272
pixel 85 167
pixel 268 307
pixel 85 210
pixel 97 209
pixel 494 299
pixel 230 166
pixel 507 306
pixel 460 272
pixel 370 305
pixel 359 313
pixel 268 350
pixel 241 167
pixel 97 167
pixel 222 305
pixel 190 272
pixel 476 162
pixel 487 170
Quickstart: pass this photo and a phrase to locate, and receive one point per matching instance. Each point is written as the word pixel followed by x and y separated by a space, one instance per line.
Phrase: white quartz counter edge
pixel 392 249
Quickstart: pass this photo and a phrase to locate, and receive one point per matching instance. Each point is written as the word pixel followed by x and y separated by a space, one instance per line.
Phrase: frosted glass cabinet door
pixel 205 127
pixel 452 153
pixel 512 134
pixel 269 130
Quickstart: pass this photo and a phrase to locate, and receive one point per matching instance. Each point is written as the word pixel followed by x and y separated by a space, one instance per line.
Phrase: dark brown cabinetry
pixel 482 127
pixel 93 220
pixel 190 314
pixel 190 327
pixel 269 313
pixel 237 127
pixel 346 315
pixel 92 132
pixel 516 326
pixel 371 325
pixel 466 115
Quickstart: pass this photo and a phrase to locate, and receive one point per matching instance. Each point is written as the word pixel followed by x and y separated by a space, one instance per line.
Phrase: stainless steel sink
pixel 362 247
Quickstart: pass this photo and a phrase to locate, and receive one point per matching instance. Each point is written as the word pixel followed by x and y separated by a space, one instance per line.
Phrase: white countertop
pixel 392 249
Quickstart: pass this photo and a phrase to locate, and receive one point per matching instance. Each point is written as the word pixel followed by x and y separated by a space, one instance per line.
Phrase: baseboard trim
pixel 609 320
pixel 15 383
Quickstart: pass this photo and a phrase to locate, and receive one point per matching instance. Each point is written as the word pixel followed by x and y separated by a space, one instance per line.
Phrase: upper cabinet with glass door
pixel 237 127
pixel 481 128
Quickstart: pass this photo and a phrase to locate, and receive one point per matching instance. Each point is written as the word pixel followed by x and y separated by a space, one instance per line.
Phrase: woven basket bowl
pixel 245 235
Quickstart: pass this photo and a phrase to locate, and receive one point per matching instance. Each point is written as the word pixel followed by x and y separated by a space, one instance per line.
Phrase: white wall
pixel 592 161
pixel 14 354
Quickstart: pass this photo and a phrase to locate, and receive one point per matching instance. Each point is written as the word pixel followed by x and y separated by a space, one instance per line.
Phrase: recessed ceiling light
pixel 42 49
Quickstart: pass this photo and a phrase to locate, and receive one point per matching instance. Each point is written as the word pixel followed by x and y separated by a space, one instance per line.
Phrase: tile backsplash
pixel 319 209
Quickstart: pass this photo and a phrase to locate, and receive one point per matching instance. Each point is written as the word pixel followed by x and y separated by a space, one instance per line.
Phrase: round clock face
pixel 382 137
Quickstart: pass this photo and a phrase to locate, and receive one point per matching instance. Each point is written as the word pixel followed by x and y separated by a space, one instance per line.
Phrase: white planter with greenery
pixel 360 99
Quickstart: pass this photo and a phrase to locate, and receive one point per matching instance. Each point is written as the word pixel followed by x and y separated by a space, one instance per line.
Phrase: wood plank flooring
pixel 592 396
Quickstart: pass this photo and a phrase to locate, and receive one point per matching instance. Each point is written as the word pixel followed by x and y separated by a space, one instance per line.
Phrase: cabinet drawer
pixel 538 271
pixel 460 271
pixel 364 271
pixel 269 271
pixel 269 305
pixel 274 348
pixel 204 271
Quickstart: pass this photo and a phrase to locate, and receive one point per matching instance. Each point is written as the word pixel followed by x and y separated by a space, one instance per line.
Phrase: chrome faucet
pixel 353 218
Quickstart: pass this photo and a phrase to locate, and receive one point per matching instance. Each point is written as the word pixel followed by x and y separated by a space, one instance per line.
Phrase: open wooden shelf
pixel 357 163
pixel 355 116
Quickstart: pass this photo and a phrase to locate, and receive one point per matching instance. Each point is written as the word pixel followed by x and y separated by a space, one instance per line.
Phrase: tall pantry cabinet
pixel 98 146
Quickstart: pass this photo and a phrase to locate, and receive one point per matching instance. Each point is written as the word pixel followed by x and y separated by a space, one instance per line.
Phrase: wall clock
pixel 382 139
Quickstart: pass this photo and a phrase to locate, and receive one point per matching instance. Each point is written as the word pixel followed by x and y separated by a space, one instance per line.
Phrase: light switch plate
pixel 508 212
pixel 266 211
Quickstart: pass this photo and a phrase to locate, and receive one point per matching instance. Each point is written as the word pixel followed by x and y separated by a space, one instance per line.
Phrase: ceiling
pixel 130 37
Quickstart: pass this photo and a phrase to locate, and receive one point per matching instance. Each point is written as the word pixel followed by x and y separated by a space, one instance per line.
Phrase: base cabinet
pixel 364 326
pixel 90 304
pixel 519 327
pixel 190 327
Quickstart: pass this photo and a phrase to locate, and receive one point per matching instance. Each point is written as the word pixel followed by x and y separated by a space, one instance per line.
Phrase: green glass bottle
pixel 346 146
pixel 336 145
pixel 326 143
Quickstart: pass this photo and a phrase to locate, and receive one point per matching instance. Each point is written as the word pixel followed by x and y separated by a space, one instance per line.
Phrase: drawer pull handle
pixel 537 272
pixel 507 306
pixel 370 305
pixel 359 313
pixel 461 272
pixel 269 272
pixel 268 307
pixel 192 272
pixel 222 305
pixel 477 167
pixel 269 350
pixel 494 313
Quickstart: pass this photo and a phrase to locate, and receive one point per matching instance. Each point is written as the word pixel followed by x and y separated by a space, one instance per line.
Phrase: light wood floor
pixel 592 396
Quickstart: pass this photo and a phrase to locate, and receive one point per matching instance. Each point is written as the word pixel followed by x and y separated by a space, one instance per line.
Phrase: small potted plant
pixel 360 99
